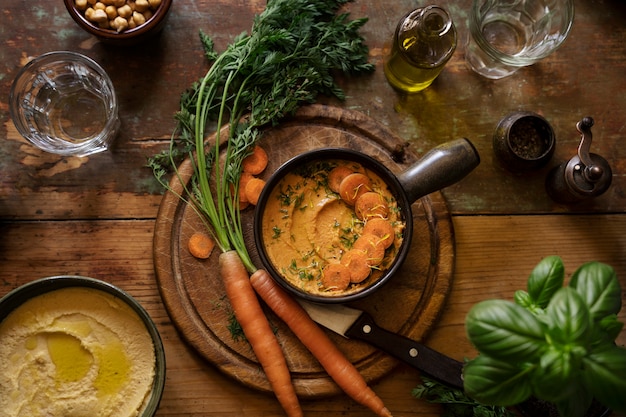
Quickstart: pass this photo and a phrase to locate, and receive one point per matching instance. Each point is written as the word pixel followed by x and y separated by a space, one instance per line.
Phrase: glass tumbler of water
pixel 506 35
pixel 65 103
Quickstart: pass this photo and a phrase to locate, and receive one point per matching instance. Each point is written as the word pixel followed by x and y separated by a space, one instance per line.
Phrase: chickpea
pixel 96 15
pixel 111 12
pixel 125 11
pixel 119 24
pixel 81 4
pixel 118 15
pixel 139 18
pixel 142 5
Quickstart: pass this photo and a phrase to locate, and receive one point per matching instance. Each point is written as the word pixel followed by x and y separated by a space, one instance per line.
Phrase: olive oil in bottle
pixel 423 42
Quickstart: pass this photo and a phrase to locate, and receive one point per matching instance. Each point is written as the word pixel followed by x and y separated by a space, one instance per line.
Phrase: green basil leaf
pixel 545 279
pixel 610 327
pixel 605 376
pixel 505 331
pixel 577 404
pixel 522 298
pixel 495 382
pixel 597 283
pixel 568 319
pixel 554 379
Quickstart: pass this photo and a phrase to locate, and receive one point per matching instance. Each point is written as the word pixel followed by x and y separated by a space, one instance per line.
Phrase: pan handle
pixel 440 167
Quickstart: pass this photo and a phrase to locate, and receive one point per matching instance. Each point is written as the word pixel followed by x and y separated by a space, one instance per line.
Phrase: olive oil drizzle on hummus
pixel 306 226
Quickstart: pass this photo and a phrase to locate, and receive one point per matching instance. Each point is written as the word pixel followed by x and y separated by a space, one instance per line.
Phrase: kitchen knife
pixel 356 324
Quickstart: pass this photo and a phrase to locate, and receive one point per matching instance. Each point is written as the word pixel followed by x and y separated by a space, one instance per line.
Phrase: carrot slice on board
pixel 200 245
pixel 243 180
pixel 253 190
pixel 256 162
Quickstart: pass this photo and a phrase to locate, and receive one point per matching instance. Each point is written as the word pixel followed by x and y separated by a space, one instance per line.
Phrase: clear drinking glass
pixel 506 35
pixel 65 103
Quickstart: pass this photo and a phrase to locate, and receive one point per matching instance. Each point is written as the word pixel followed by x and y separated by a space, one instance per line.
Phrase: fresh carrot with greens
pixel 338 367
pixel 257 329
pixel 290 56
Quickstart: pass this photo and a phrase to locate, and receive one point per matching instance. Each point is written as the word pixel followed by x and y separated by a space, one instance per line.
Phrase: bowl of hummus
pixel 333 225
pixel 77 346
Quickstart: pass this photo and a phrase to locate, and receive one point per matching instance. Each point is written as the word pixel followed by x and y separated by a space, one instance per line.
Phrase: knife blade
pixel 356 324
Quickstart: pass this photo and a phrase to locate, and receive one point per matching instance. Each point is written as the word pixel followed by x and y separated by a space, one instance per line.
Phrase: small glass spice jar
pixel 423 42
pixel 523 141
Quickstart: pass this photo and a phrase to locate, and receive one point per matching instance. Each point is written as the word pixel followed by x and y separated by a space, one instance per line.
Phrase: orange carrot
pixel 353 186
pixel 373 246
pixel 335 277
pixel 336 175
pixel 256 327
pixel 200 245
pixel 338 367
pixel 256 162
pixel 381 228
pixel 356 261
pixel 253 190
pixel 243 180
pixel 371 205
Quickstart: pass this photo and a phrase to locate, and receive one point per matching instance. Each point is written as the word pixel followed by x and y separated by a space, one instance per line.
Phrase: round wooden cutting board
pixel 409 304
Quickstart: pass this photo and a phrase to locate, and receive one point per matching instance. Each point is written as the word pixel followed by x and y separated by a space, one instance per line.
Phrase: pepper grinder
pixel 585 176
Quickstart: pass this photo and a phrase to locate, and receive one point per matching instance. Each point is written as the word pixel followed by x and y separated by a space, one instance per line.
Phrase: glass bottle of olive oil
pixel 423 42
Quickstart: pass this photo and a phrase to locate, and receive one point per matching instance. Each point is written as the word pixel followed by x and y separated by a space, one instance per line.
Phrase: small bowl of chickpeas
pixel 122 22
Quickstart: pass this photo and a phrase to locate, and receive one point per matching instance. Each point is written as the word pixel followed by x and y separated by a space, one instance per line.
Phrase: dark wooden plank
pixel 493 258
pixel 584 77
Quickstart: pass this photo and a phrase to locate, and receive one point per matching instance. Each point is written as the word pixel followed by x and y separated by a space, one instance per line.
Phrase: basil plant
pixel 555 342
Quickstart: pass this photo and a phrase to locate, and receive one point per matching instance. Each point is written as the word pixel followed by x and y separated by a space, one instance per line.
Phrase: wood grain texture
pixel 194 295
pixel 583 78
pixel 490 263
pixel 95 216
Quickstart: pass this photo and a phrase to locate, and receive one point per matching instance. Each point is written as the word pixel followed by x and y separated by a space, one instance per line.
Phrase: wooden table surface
pixel 95 216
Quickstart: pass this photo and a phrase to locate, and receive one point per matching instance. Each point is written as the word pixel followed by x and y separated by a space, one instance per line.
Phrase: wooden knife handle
pixel 435 364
